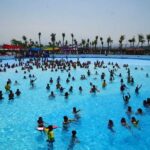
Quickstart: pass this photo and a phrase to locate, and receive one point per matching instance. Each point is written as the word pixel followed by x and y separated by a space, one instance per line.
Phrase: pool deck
pixel 140 57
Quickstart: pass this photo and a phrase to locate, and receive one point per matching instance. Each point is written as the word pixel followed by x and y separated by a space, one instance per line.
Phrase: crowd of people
pixel 67 66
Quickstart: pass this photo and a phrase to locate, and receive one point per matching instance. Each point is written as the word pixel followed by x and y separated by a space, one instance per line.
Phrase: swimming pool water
pixel 18 118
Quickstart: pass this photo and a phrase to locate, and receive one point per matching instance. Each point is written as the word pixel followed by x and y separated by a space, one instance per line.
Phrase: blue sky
pixel 84 18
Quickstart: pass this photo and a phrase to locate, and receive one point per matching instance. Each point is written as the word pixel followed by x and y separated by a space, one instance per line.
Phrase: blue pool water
pixel 18 118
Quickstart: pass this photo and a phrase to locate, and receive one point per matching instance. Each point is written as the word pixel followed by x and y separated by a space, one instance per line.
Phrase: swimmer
pixel 111 125
pixel 104 84
pixel 58 85
pixel 52 95
pixel 132 80
pixel 80 89
pixel 134 121
pixel 145 104
pixel 76 113
pixel 123 87
pixel 66 95
pixel 137 89
pixel 139 111
pixel 61 89
pixel 67 80
pixel 32 82
pixel 51 80
pixel 73 140
pixel 126 98
pixel 40 122
pixel 71 89
pixel 67 120
pixel 18 92
pixel 147 75
pixel 129 110
pixel 11 95
pixel 1 95
pixel 24 77
pixel 16 82
pixel 7 87
pixel 148 101
pixel 94 89
pixel 124 123
pixel 50 134
pixel 48 87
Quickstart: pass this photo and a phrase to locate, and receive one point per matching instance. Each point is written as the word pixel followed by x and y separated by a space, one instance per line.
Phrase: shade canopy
pixel 11 47
pixel 35 49
pixel 51 49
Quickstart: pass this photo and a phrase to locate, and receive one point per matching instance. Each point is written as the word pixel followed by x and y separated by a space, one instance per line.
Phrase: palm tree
pixel 25 40
pixel 122 37
pixel 66 43
pixel 95 42
pixel 87 44
pixel 130 41
pixel 83 44
pixel 140 39
pixel 148 38
pixel 76 45
pixel 102 43
pixel 39 35
pixel 109 42
pixel 53 39
pixel 133 41
pixel 63 38
pixel 72 36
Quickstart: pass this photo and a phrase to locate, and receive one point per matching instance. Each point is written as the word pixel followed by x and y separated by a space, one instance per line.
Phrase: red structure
pixel 11 47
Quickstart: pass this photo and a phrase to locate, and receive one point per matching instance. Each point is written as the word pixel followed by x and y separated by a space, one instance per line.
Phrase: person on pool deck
pixel 126 98
pixel 137 89
pixel 18 92
pixel 11 95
